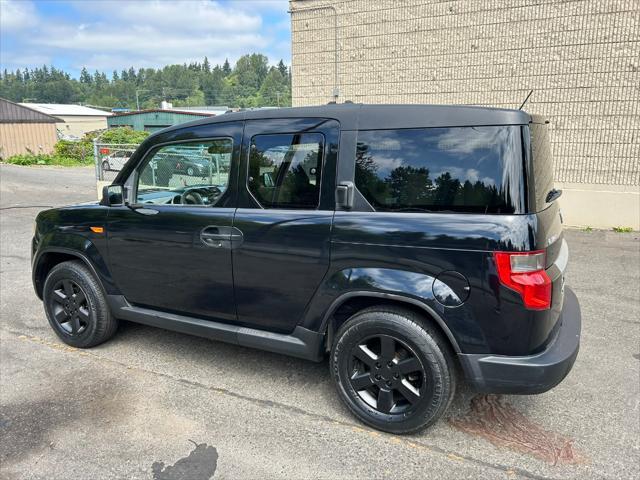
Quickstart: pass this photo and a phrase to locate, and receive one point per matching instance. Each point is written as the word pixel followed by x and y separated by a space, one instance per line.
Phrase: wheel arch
pixel 350 303
pixel 49 258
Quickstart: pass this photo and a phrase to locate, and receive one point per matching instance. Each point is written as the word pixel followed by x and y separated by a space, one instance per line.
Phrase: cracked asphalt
pixel 152 404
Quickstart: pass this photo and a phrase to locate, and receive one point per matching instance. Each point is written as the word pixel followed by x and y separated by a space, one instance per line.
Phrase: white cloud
pixel 116 34
pixel 16 15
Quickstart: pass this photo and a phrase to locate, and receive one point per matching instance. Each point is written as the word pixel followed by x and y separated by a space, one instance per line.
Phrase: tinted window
pixel 542 163
pixel 285 170
pixel 470 169
pixel 193 173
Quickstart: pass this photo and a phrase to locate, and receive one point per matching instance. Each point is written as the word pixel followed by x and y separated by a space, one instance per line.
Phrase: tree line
pixel 251 82
pixel 409 188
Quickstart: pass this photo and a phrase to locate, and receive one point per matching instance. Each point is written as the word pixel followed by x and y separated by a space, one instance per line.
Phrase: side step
pixel 301 343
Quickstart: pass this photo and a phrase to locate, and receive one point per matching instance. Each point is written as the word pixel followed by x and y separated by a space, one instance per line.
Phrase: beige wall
pixel 79 125
pixel 18 138
pixel 581 58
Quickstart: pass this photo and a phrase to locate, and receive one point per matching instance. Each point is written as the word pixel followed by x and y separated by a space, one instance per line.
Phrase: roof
pixel 15 113
pixel 66 109
pixel 160 110
pixel 215 109
pixel 372 117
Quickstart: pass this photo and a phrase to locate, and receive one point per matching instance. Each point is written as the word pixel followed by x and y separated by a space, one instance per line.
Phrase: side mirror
pixel 112 195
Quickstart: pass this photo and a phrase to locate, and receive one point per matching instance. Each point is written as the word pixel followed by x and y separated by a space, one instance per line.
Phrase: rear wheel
pixel 392 369
pixel 76 306
pixel 105 166
pixel 190 171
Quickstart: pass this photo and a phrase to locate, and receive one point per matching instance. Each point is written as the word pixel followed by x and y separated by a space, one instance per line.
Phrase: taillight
pixel 525 273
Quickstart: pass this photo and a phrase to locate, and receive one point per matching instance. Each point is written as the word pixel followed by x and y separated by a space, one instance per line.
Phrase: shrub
pixel 81 151
pixel 43 159
pixel 119 135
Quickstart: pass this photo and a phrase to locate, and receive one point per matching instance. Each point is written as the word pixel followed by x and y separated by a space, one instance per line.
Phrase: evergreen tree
pixel 84 76
pixel 250 83
pixel 226 68
pixel 282 68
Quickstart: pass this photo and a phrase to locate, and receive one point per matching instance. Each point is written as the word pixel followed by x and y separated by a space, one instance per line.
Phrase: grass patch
pixel 587 229
pixel 622 229
pixel 43 159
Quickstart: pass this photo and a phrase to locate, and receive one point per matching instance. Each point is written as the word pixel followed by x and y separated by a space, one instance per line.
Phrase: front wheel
pixel 392 369
pixel 105 166
pixel 76 306
pixel 190 171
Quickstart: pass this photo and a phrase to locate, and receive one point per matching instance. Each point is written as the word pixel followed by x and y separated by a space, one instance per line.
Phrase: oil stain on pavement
pixel 200 464
pixel 490 417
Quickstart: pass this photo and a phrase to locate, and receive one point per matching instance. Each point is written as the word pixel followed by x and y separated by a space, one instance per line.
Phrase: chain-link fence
pixel 173 166
pixel 110 159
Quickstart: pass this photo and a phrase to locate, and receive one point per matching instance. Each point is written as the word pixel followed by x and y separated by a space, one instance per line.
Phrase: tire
pixel 402 395
pixel 71 293
pixel 190 171
pixel 105 166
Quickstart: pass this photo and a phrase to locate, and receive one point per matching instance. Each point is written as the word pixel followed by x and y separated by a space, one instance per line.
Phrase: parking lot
pixel 152 404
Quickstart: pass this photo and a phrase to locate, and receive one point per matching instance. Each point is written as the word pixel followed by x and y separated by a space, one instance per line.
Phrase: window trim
pixel 322 162
pixel 153 150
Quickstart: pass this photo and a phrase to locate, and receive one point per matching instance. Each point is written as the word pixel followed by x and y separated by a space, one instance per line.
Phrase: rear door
pixel 286 200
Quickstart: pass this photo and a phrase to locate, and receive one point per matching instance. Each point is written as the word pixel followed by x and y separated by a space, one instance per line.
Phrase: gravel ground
pixel 155 404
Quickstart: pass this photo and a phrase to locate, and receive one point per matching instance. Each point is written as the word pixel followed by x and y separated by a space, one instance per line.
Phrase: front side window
pixel 285 170
pixel 193 173
pixel 462 169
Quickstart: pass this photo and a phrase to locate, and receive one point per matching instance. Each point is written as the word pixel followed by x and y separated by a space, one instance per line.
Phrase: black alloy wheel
pixel 394 369
pixel 76 305
pixel 387 375
pixel 70 307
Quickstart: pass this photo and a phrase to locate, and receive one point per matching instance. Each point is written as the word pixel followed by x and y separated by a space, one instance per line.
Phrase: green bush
pixel 81 151
pixel 70 154
pixel 43 159
pixel 119 135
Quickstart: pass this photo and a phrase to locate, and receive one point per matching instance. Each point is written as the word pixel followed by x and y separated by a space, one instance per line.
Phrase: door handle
pixel 212 237
pixel 221 237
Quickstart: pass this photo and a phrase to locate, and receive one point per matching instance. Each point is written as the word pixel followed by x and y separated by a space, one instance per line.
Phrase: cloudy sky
pixel 117 34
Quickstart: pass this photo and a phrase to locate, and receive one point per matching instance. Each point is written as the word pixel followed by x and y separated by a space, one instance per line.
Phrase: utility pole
pixel 137 99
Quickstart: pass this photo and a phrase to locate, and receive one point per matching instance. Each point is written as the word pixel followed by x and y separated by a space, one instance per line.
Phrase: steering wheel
pixel 192 198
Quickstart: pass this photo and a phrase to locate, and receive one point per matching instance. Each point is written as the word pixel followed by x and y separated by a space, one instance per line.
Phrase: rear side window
pixel 461 169
pixel 542 162
pixel 285 170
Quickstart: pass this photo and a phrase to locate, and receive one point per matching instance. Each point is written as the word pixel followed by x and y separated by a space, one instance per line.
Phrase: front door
pixel 170 249
pixel 286 200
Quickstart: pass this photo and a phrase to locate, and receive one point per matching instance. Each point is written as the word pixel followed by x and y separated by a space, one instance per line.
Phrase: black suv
pixel 409 243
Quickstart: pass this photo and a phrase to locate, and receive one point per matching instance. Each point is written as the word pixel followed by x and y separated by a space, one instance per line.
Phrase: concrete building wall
pixel 78 125
pixel 22 138
pixel 581 58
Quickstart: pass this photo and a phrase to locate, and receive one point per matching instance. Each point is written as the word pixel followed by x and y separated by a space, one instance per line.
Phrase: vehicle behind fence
pixel 171 167
pixel 110 158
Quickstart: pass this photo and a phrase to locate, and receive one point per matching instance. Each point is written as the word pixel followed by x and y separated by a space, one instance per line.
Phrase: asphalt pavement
pixel 152 404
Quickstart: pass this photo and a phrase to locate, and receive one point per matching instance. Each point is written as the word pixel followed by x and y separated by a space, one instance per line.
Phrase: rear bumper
pixel 534 373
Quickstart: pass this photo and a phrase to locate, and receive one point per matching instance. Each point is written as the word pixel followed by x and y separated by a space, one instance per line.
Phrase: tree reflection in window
pixel 478 169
